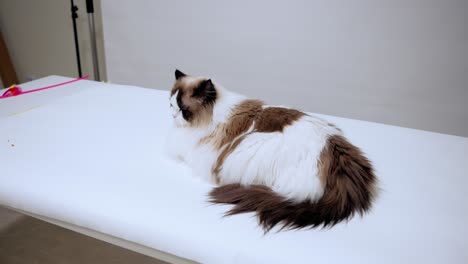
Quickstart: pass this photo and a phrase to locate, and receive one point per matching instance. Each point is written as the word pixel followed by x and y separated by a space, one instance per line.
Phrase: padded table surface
pixel 91 154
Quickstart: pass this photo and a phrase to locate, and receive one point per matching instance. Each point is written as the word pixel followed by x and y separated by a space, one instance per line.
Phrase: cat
pixel 288 167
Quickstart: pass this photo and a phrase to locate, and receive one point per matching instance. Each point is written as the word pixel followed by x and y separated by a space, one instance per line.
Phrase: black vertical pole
pixel 89 6
pixel 92 34
pixel 74 8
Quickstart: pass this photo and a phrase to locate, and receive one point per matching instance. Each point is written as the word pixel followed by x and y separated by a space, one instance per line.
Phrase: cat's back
pixel 281 150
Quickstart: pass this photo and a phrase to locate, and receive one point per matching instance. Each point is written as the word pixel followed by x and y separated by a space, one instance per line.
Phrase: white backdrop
pixel 396 62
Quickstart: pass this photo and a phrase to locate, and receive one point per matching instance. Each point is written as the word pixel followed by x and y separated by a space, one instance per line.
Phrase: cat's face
pixel 192 100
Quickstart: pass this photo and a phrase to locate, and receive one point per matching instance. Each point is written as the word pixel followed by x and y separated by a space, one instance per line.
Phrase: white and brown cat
pixel 288 167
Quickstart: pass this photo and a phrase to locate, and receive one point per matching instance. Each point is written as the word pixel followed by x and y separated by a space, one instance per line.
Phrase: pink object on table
pixel 16 90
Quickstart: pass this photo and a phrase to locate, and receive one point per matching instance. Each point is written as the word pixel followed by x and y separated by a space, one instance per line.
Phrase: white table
pixel 89 157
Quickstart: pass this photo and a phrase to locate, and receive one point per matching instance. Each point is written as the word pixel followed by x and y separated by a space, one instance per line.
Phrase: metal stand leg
pixel 92 32
pixel 74 8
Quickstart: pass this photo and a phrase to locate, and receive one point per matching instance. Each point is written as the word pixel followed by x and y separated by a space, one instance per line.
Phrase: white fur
pixel 224 104
pixel 175 111
pixel 285 161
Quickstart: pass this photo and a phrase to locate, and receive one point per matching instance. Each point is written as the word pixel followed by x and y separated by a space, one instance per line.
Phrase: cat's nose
pixel 174 115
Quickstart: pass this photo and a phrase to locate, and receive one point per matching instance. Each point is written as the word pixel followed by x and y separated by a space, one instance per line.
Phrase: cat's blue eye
pixel 171 104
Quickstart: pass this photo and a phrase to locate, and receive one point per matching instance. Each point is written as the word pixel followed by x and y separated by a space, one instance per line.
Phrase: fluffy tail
pixel 349 187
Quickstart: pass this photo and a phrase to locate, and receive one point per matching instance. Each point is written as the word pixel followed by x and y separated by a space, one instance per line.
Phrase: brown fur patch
pixel 347 175
pixel 241 119
pixel 275 119
pixel 350 187
pixel 239 122
pixel 271 119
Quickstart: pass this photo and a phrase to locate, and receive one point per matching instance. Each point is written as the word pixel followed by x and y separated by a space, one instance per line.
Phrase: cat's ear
pixel 179 74
pixel 205 92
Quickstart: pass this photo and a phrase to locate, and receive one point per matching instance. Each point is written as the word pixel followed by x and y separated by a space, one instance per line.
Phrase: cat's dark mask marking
pixel 205 92
pixel 196 98
pixel 187 114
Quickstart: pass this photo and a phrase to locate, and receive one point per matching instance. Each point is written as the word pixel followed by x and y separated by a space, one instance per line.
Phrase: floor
pixel 26 240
